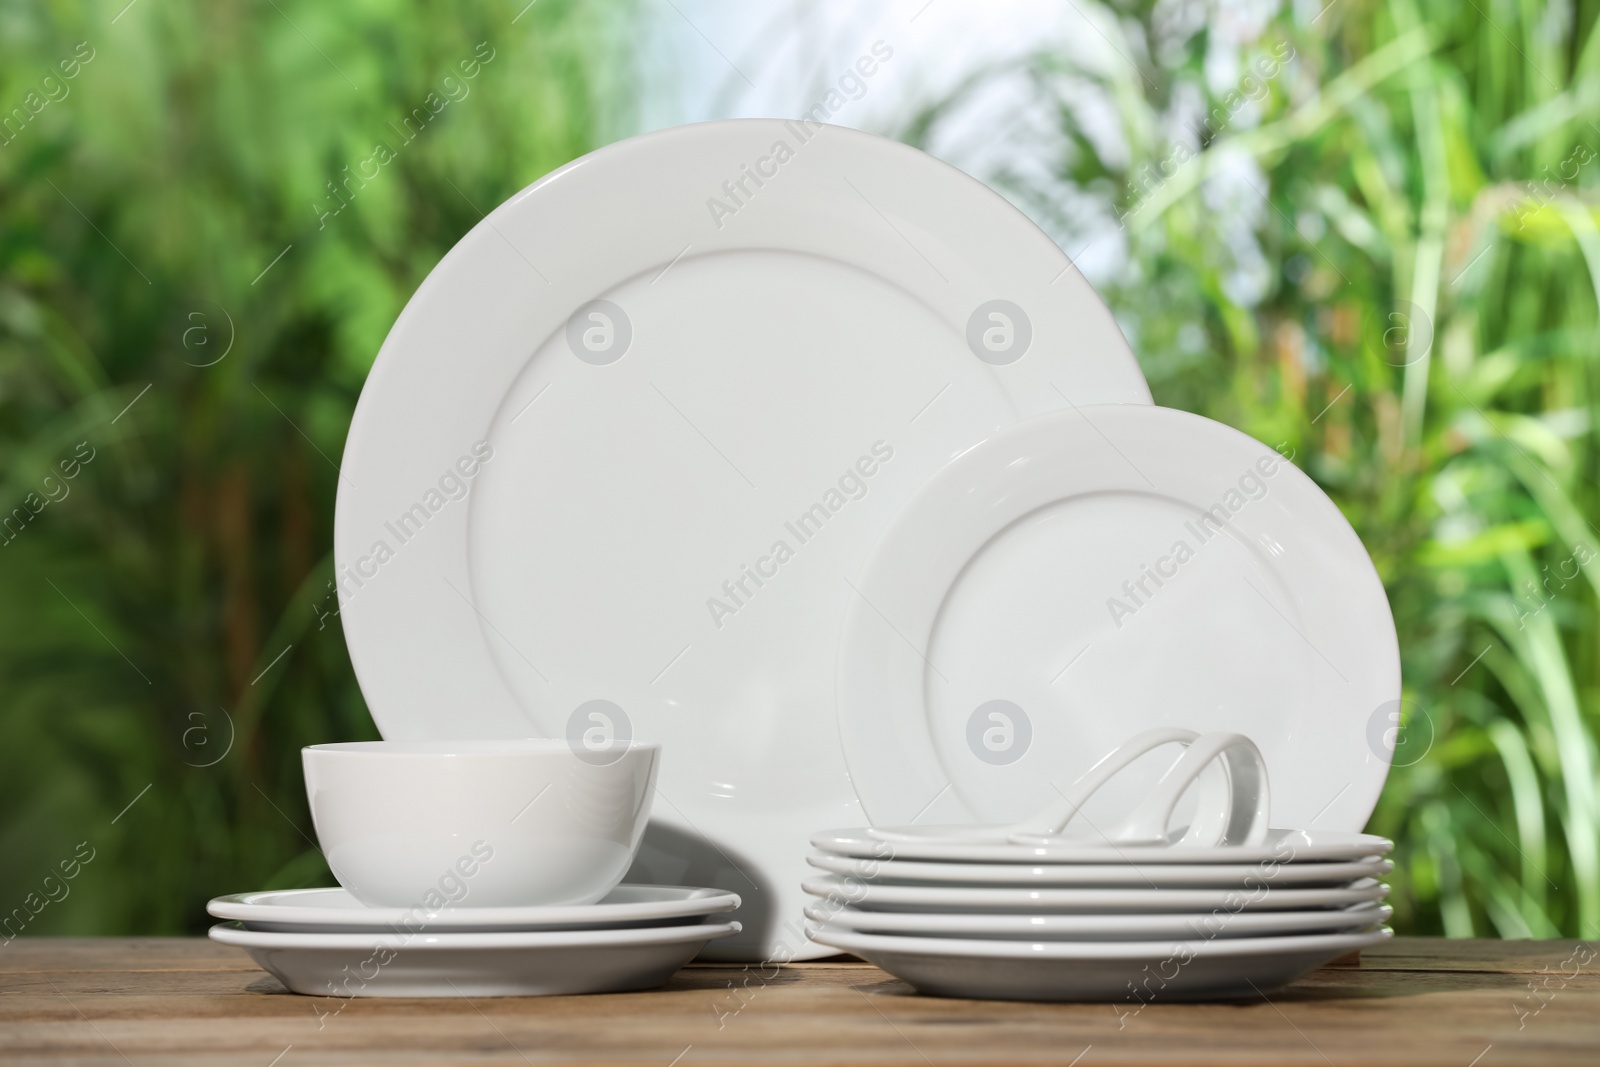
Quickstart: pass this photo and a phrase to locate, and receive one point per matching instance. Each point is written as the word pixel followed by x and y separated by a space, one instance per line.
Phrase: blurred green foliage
pixel 1375 243
pixel 178 293
pixel 180 303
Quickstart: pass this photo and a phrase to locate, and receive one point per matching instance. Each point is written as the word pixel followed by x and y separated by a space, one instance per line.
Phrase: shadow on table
pixel 269 985
pixel 1326 986
pixel 669 856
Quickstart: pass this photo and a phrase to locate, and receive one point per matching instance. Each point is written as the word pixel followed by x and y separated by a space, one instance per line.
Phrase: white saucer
pixel 1281 846
pixel 1128 875
pixel 474 965
pixel 1133 972
pixel 1058 588
pixel 867 896
pixel 622 448
pixel 334 910
pixel 1124 927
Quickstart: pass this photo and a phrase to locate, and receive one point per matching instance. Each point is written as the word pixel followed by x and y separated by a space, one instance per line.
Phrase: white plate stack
pixel 1039 911
pixel 326 943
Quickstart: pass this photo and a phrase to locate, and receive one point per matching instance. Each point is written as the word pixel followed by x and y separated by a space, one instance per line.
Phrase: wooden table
pixel 180 1001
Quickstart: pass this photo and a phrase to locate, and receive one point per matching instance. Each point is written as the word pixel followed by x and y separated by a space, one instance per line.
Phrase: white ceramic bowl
pixel 432 824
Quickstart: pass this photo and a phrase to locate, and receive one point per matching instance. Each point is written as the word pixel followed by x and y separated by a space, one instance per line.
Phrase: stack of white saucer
pixel 1044 910
pixel 476 868
pixel 325 942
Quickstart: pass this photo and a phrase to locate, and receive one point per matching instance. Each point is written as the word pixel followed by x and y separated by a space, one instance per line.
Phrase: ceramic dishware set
pixel 476 868
pixel 1057 908
pixel 810 460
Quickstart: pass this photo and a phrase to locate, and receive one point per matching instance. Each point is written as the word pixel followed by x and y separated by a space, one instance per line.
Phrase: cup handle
pixel 1234 801
pixel 1054 819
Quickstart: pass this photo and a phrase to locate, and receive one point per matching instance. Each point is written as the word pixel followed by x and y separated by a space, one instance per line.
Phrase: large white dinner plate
pixel 1021 926
pixel 1133 972
pixel 1130 875
pixel 514 964
pixel 334 910
pixel 558 517
pixel 874 897
pixel 1280 846
pixel 1089 574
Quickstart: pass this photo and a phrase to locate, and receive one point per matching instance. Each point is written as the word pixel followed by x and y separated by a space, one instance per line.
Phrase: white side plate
pixel 872 897
pixel 798 326
pixel 334 910
pixel 1124 927
pixel 1281 846
pixel 474 965
pixel 1132 972
pixel 1059 588
pixel 1125 875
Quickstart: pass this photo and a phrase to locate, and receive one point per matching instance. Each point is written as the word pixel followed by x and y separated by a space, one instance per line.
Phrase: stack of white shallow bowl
pixel 325 942
pixel 1134 912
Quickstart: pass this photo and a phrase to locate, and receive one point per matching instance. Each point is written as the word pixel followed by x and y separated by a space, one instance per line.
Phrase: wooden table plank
pixel 185 1001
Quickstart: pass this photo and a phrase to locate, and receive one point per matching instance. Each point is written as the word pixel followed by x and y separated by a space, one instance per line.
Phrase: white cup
pixel 460 824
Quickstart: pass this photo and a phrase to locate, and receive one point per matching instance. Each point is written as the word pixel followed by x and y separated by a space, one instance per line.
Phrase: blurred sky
pixel 727 58
pixel 705 59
